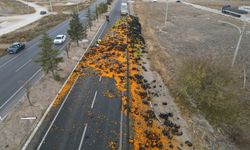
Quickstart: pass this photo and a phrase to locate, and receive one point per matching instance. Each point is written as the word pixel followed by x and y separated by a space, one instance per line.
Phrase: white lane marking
pixel 23 65
pixel 93 102
pixel 83 135
pixel 28 118
pixel 59 110
pixel 101 32
pixel 121 121
pixel 2 118
pixel 100 79
pixel 20 88
pixel 8 61
pixel 49 108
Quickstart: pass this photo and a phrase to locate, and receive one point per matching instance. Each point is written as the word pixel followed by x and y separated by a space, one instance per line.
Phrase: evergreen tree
pixel 49 57
pixel 76 29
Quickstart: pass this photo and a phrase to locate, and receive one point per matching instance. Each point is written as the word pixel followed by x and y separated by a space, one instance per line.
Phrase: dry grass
pixel 12 7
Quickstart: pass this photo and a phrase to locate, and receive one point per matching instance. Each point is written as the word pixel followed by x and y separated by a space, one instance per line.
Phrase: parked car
pixel 178 1
pixel 43 12
pixel 233 11
pixel 16 47
pixel 60 39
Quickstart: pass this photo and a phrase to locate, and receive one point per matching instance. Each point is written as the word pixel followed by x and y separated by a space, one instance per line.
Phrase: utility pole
pixel 51 7
pixel 77 7
pixel 166 15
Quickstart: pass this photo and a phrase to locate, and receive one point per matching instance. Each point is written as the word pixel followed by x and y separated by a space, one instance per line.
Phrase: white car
pixel 60 39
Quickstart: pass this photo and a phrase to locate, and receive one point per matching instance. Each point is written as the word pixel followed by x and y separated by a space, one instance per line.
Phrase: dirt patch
pixel 13 7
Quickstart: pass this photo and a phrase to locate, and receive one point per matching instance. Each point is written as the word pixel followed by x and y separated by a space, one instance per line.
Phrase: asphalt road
pixel 87 120
pixel 18 69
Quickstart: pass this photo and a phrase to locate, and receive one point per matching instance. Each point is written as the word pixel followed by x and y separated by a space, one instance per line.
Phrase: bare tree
pixel 27 87
pixel 67 48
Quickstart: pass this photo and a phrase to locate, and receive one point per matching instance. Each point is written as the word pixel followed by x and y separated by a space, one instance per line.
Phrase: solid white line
pixel 8 61
pixel 83 135
pixel 51 104
pixel 100 79
pixel 121 121
pixel 59 110
pixel 2 118
pixel 23 65
pixel 20 88
pixel 102 31
pixel 93 102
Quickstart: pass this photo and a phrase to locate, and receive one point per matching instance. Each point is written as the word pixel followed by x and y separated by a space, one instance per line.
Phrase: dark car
pixel 178 1
pixel 16 47
pixel 43 12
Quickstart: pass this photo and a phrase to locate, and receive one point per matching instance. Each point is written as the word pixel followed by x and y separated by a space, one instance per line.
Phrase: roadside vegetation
pixel 49 57
pixel 77 31
pixel 215 90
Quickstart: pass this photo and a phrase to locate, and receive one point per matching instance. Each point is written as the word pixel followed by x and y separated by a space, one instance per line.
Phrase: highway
pixel 19 69
pixel 87 118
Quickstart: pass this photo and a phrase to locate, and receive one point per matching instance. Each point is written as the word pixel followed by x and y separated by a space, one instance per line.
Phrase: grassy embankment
pixel 215 90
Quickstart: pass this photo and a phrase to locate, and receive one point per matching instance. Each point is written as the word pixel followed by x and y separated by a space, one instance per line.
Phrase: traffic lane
pixel 22 60
pixel 67 129
pixel 114 15
pixel 104 120
pixel 13 81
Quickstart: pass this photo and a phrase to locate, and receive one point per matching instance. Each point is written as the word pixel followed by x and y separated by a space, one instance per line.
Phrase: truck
pixel 124 8
pixel 227 9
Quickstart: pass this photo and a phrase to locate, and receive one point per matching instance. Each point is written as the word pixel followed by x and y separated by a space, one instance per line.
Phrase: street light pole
pixel 77 7
pixel 51 8
pixel 166 15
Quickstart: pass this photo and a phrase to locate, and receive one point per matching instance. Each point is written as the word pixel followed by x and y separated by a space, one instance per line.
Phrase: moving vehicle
pixel 43 12
pixel 227 9
pixel 16 47
pixel 60 39
pixel 124 8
